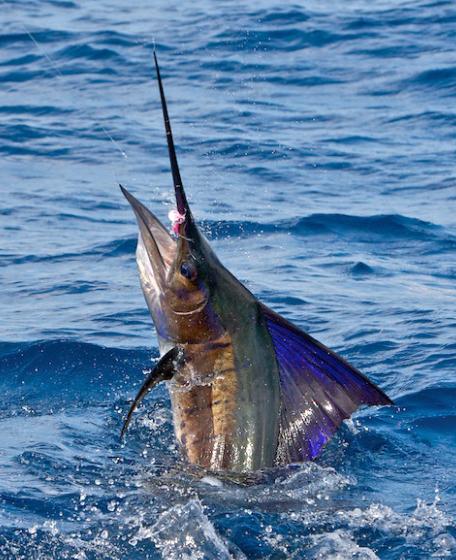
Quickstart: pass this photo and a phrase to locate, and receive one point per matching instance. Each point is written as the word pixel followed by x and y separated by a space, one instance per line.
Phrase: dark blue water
pixel 317 145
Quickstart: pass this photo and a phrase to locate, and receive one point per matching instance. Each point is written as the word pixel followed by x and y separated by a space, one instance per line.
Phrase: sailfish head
pixel 177 272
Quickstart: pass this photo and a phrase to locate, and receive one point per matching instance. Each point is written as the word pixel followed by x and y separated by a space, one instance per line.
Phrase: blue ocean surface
pixel 317 145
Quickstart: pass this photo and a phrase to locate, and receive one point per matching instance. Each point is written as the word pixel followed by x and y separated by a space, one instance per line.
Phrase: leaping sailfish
pixel 249 389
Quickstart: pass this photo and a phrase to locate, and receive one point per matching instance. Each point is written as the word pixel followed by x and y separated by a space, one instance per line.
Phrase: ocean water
pixel 317 146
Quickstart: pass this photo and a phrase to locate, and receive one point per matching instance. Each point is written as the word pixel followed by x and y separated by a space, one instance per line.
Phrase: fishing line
pixel 55 68
pixel 57 71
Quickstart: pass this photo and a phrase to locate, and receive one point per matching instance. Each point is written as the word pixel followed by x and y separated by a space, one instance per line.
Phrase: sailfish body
pixel 249 390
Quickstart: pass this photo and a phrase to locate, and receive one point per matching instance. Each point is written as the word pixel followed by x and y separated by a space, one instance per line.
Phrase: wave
pixel 288 39
pixel 36 110
pixel 88 52
pixel 66 370
pixel 434 78
pixel 284 16
pixel 432 407
pixel 430 117
pixel 375 228
pixel 65 363
pixel 45 36
pixel 378 226
pixel 115 38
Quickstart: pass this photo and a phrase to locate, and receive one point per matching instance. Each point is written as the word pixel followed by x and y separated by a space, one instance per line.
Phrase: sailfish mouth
pixel 160 246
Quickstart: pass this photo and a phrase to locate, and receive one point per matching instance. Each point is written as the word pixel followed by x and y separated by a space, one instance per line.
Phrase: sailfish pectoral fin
pixel 164 370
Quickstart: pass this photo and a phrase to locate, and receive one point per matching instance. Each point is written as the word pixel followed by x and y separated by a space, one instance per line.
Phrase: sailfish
pixel 249 389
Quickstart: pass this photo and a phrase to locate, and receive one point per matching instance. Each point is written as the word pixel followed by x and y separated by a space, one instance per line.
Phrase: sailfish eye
pixel 188 270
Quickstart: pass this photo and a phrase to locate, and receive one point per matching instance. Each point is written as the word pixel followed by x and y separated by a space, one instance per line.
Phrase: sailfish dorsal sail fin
pixel 319 390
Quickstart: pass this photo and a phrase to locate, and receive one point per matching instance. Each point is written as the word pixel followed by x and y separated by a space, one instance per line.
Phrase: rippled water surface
pixel 317 144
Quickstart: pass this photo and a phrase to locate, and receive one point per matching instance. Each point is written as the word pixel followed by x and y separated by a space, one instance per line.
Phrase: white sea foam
pixel 339 545
pixel 184 532
pixel 427 528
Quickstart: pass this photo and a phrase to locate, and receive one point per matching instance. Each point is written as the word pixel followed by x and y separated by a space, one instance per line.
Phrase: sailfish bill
pixel 249 389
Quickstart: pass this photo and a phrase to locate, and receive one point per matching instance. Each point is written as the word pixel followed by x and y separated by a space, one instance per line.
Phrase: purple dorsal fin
pixel 319 390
